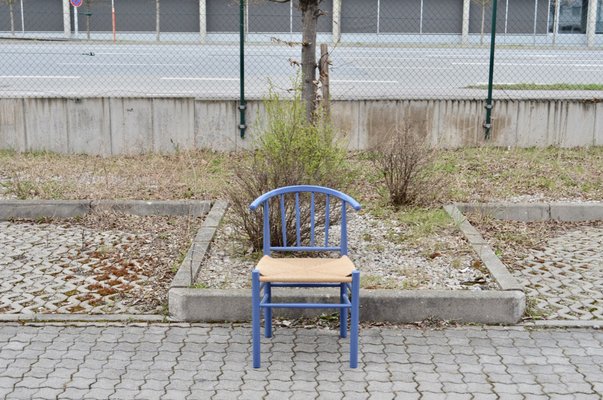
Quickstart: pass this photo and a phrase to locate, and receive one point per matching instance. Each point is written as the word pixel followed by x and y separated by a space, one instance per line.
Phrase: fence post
pixel 242 103
pixel 488 123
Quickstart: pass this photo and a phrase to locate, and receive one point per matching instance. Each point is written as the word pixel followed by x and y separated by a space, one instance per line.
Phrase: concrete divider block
pixel 34 209
pixel 509 211
pixel 131 125
pixel 89 126
pixel 345 117
pixel 144 208
pixel 576 212
pixel 191 265
pixel 485 307
pixel 12 125
pixel 216 125
pixel 46 124
pixel 579 124
pixel 189 269
pixel 173 124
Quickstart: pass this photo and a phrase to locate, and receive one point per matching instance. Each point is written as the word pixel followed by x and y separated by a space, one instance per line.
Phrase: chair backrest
pixel 295 192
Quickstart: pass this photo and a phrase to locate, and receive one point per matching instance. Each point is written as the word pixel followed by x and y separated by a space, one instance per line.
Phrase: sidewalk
pixel 201 361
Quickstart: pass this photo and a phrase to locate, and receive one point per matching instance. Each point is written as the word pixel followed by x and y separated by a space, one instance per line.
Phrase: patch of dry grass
pixel 186 175
pixel 477 174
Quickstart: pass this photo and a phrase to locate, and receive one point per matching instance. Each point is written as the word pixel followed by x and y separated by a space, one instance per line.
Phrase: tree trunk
pixel 481 38
pixel 310 13
pixel 12 17
pixel 324 79
pixel 157 20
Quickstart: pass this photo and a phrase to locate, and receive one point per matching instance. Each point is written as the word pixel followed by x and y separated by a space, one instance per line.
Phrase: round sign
pixel 77 3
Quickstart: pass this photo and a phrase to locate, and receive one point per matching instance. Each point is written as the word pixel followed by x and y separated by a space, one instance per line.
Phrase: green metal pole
pixel 242 103
pixel 488 123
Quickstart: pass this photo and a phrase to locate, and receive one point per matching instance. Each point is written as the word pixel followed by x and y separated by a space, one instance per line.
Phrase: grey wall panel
pixel 359 16
pixel 131 15
pixel 137 15
pixel 521 16
pixel 222 16
pixel 542 18
pixel 41 15
pixel 475 17
pixel 443 16
pixel 100 20
pixel 325 22
pixel 269 16
pixel 400 16
pixel 180 16
pixel 5 17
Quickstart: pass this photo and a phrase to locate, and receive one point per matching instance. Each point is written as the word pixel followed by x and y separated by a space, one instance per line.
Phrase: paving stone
pixel 299 377
pixel 57 269
pixel 564 275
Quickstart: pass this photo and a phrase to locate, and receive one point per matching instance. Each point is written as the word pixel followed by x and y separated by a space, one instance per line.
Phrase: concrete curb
pixel 34 209
pixel 556 323
pixel 497 269
pixel 486 307
pixel 63 318
pixel 189 269
pixel 407 306
pixel 528 212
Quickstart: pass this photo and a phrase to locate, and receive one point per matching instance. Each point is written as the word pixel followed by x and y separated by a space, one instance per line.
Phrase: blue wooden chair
pixel 307 272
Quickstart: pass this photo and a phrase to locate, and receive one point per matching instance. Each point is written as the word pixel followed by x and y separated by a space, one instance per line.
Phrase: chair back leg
pixel 255 317
pixel 355 319
pixel 343 312
pixel 268 311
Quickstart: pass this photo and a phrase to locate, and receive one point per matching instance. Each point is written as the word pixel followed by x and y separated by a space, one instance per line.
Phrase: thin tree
pixel 11 4
pixel 483 4
pixel 310 13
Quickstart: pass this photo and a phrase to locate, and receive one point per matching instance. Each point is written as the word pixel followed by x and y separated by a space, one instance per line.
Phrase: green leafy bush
pixel 289 151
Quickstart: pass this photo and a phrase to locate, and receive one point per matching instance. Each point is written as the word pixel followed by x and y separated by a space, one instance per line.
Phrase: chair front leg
pixel 343 312
pixel 255 317
pixel 268 311
pixel 355 319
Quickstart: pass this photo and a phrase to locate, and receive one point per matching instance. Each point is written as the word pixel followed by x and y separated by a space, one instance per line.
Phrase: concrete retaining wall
pixel 111 126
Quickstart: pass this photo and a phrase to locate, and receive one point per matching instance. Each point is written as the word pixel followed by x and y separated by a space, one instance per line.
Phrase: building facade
pixel 354 21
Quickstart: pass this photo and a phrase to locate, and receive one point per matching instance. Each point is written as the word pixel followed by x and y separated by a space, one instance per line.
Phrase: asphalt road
pixel 212 71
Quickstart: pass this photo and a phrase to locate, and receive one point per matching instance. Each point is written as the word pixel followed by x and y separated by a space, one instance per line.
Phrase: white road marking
pixel 403 67
pixel 354 81
pixel 92 63
pixel 533 64
pixel 40 77
pixel 198 79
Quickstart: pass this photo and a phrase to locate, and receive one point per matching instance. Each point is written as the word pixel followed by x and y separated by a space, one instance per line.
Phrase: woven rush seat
pixel 306 270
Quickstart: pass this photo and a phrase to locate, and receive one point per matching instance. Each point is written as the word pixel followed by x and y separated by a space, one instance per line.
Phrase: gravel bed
pixel 443 260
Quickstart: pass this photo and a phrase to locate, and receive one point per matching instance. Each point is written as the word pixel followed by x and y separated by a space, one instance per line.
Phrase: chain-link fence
pixel 378 48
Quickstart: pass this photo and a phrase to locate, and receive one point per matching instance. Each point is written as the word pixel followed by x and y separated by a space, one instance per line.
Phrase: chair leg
pixel 355 319
pixel 268 311
pixel 343 312
pixel 255 317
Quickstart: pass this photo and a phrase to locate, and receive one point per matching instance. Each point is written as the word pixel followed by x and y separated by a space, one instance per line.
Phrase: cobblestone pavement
pixel 212 362
pixel 46 268
pixel 565 279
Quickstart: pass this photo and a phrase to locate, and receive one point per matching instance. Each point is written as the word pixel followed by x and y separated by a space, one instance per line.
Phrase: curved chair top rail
pixel 305 188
